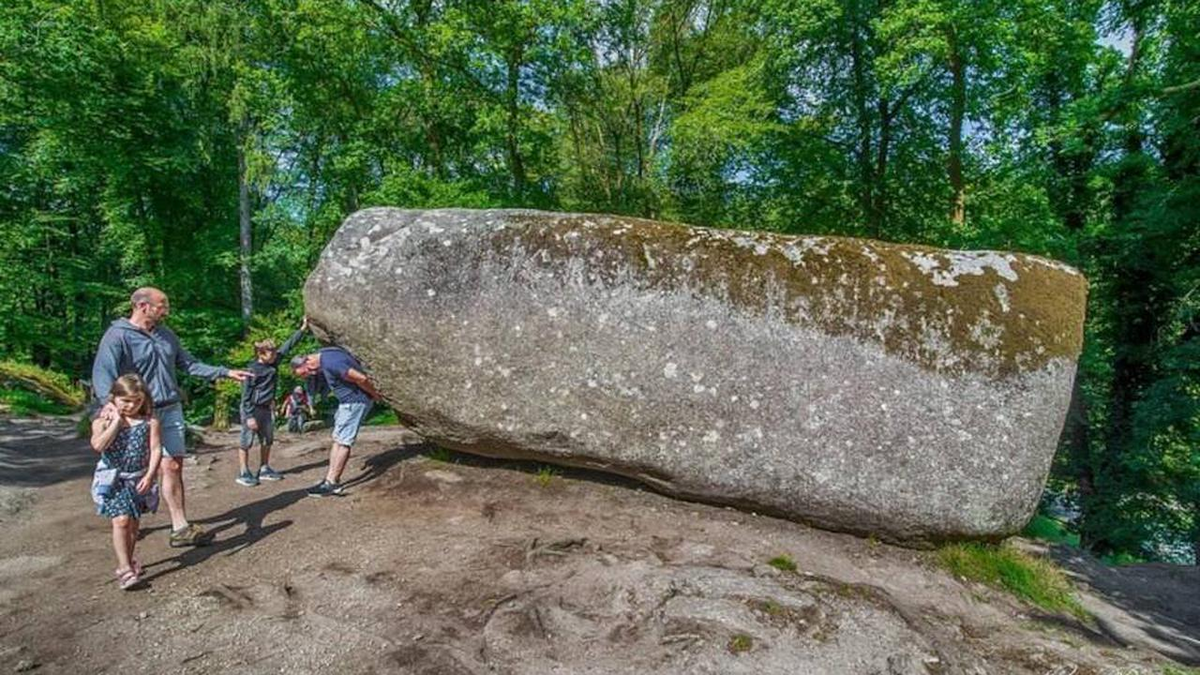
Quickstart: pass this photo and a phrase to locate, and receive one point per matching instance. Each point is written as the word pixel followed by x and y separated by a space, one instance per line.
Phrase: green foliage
pixel 545 476
pixel 381 416
pixel 1032 579
pixel 21 402
pixel 1120 559
pixel 27 387
pixel 1051 530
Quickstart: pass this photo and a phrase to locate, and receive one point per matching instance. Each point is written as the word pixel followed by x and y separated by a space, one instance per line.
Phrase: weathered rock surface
pixel 900 391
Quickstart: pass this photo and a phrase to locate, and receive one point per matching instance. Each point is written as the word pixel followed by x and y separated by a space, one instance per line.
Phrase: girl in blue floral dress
pixel 126 435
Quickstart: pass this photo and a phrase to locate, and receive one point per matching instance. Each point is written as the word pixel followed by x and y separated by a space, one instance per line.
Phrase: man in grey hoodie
pixel 141 345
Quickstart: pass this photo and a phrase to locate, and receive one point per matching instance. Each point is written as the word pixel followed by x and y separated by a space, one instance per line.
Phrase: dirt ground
pixel 480 566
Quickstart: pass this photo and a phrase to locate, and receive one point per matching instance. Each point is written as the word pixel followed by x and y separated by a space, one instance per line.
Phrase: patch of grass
pixel 45 385
pixel 1051 530
pixel 1180 670
pixel 772 608
pixel 783 563
pixel 440 455
pixel 740 643
pixel 544 476
pixel 23 403
pixel 1032 579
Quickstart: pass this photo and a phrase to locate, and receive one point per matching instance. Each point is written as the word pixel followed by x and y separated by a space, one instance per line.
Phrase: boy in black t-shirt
pixel 258 408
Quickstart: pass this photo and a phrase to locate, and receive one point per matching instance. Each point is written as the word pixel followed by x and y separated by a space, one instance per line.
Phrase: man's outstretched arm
pixel 196 368
pixel 287 346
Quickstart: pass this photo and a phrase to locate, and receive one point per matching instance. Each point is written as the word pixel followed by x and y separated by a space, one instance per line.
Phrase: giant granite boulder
pixel 906 392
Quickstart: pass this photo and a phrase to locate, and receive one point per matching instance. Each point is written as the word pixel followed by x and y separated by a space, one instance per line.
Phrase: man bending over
pixel 346 380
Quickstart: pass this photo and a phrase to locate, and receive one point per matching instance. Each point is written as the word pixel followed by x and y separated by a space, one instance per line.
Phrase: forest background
pixel 212 147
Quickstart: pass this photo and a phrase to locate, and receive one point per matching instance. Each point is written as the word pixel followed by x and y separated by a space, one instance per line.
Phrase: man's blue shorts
pixel 172 429
pixel 347 421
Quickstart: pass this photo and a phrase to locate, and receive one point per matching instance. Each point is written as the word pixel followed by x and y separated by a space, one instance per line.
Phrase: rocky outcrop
pixel 905 392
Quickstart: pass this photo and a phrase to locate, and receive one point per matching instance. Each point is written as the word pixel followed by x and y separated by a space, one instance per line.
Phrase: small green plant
pixel 784 563
pixel 544 476
pixel 772 608
pixel 740 643
pixel 440 455
pixel 1032 579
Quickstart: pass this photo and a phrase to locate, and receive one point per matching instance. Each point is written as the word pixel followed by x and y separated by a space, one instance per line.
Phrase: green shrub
pixel 1032 579
pixel 1119 559
pixel 21 402
pixel 381 416
pixel 1051 530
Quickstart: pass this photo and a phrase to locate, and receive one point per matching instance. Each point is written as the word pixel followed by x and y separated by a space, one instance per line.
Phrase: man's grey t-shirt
pixel 335 363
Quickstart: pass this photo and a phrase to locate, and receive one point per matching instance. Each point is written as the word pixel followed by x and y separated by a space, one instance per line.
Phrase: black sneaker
pixel 325 489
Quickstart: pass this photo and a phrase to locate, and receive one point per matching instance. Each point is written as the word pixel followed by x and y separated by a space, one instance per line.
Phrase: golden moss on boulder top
pixel 951 311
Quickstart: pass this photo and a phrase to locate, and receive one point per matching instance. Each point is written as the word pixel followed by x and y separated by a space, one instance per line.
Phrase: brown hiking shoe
pixel 192 535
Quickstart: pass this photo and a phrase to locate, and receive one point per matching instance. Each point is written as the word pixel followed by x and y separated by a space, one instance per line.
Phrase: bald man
pixel 140 344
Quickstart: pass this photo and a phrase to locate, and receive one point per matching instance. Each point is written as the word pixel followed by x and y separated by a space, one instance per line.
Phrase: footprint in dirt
pixel 272 599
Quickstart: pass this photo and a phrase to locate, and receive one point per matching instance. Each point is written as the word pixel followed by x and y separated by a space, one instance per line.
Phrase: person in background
pixel 258 408
pixel 295 405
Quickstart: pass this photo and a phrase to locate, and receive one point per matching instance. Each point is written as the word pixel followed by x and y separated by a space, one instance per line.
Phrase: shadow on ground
pixel 1163 601
pixel 40 451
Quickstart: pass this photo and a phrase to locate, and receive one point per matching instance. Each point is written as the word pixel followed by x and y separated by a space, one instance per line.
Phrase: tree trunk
pixel 1075 442
pixel 221 405
pixel 878 215
pixel 865 170
pixel 1139 310
pixel 958 108
pixel 512 100
pixel 244 225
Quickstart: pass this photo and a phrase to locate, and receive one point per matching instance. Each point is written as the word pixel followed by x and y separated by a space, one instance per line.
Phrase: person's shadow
pixel 251 515
pixel 376 465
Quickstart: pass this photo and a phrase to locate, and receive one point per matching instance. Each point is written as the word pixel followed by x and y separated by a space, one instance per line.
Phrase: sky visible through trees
pixel 211 147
